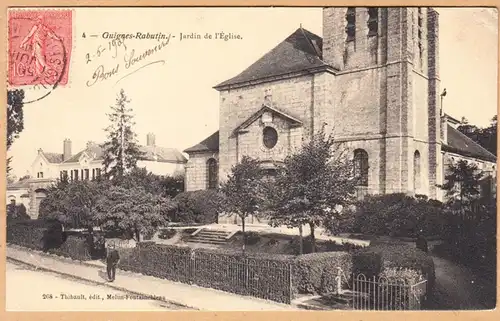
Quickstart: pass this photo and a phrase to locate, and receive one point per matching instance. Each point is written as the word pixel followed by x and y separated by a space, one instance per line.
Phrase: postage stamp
pixel 39 47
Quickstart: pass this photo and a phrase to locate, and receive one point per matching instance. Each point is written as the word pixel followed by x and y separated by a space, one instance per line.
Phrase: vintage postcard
pixel 251 158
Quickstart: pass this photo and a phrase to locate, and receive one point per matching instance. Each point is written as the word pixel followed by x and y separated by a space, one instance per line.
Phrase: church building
pixel 372 81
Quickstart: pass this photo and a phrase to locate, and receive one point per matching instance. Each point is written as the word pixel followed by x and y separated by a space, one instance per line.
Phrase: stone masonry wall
pixel 197 171
pixel 291 96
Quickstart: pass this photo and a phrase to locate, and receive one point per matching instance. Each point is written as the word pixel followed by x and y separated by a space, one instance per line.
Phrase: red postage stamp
pixel 40 43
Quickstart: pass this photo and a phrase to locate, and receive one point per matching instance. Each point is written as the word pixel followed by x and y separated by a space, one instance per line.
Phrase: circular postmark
pixel 38 55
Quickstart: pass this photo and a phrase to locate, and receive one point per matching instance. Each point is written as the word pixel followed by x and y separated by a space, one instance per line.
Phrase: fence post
pixel 192 266
pixel 290 275
pixel 339 281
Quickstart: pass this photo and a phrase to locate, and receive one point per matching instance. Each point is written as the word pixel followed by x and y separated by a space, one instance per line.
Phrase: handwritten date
pixel 112 47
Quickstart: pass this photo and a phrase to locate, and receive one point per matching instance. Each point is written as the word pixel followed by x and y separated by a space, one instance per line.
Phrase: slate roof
pixel 300 51
pixel 54 158
pixel 461 144
pixel 25 183
pixel 209 144
pixel 151 153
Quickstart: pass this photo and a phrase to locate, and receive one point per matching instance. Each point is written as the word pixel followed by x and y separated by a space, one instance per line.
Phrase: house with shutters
pixel 85 165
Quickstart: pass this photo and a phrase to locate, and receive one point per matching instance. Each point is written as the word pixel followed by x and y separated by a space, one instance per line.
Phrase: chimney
pixel 444 129
pixel 151 139
pixel 66 149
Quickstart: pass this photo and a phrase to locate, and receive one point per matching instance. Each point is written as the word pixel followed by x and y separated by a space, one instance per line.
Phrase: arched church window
pixel 350 29
pixel 270 137
pixel 361 166
pixel 416 171
pixel 372 21
pixel 213 173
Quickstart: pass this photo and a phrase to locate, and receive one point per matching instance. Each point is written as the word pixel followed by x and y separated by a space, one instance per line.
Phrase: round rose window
pixel 270 137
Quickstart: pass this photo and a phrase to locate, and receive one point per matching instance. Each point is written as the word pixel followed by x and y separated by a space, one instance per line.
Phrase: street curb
pixel 68 260
pixel 106 284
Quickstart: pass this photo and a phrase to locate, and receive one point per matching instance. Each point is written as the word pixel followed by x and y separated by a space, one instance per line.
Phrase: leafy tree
pixel 173 185
pixel 313 186
pixel 121 151
pixel 462 183
pixel 74 203
pixel 15 118
pixel 471 216
pixel 198 206
pixel 152 183
pixel 486 137
pixel 242 191
pixel 132 211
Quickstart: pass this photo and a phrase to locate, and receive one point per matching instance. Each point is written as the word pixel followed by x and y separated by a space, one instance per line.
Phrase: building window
pixel 270 137
pixel 416 171
pixel 97 172
pixel 212 173
pixel 63 175
pixel 420 34
pixel 350 29
pixel 87 176
pixel 75 174
pixel 39 175
pixel 361 167
pixel 372 22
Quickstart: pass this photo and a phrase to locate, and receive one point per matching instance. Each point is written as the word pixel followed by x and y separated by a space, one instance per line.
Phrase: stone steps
pixel 207 236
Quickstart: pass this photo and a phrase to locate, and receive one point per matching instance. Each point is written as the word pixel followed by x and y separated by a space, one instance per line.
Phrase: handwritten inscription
pixel 130 60
pixel 133 60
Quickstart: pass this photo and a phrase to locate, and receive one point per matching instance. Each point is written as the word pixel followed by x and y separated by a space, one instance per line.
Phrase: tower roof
pixel 298 52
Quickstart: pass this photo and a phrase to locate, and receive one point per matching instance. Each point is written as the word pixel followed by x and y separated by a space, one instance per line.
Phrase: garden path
pixel 457 287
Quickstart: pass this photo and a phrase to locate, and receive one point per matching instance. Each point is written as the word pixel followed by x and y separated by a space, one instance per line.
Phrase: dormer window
pixel 350 29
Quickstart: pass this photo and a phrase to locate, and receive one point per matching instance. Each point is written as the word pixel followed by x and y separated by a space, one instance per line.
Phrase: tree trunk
pixel 137 234
pixel 244 234
pixel 313 238
pixel 301 240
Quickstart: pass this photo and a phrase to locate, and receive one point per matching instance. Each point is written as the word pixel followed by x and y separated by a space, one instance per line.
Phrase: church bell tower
pixel 385 93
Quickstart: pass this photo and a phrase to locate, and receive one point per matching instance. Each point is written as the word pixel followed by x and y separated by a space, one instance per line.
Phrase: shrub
pixel 404 256
pixel 75 248
pixel 395 215
pixel 306 245
pixel 167 234
pixel 332 246
pixel 367 262
pixel 316 272
pixel 30 236
pixel 197 207
pixel 252 238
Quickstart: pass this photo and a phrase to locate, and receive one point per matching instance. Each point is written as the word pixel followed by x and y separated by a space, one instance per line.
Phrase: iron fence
pixel 387 294
pixel 258 277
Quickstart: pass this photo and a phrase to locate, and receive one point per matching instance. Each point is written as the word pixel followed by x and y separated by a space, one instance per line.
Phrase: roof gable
pixel 209 144
pixel 298 52
pixel 461 144
pixel 95 152
pixel 267 107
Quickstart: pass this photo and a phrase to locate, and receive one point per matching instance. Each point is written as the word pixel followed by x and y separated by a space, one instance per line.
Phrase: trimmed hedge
pixel 264 276
pixel 396 215
pixel 399 257
pixel 48 237
pixel 316 272
pixel 75 248
pixel 25 235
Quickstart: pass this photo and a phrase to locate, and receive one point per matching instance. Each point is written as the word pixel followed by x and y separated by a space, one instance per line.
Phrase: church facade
pixel 372 81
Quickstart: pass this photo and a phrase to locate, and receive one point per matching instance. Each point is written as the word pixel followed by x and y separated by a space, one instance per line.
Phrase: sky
pixel 174 98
